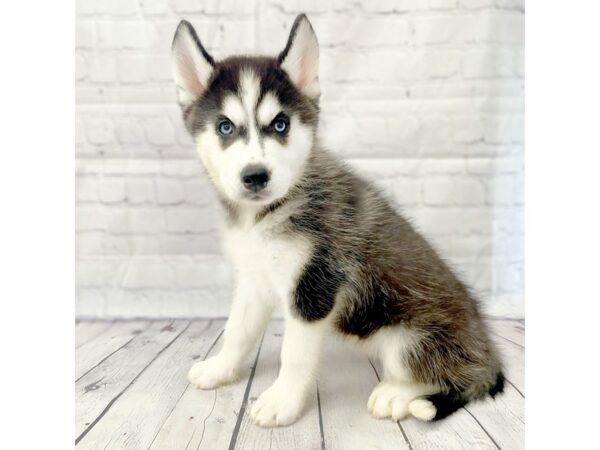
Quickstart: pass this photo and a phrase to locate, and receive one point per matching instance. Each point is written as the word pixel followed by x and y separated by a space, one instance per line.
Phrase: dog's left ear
pixel 300 57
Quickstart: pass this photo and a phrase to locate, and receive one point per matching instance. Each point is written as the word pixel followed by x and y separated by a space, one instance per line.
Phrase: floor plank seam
pixel 213 344
pixel 112 353
pixel 169 415
pixel 112 402
pixel 507 339
pixel 513 385
pixel 207 326
pixel 504 319
pixel 483 428
pixel 320 419
pixel 190 441
pixel 404 435
pixel 242 410
pixel 109 350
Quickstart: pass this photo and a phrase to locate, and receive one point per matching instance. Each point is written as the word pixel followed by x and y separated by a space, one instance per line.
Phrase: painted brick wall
pixel 425 97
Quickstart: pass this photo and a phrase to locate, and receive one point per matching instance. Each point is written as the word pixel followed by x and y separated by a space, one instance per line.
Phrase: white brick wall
pixel 424 96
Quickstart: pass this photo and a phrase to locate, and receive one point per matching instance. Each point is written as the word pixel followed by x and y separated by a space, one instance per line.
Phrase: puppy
pixel 305 232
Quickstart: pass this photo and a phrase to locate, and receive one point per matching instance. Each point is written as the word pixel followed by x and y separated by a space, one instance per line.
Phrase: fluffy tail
pixel 447 403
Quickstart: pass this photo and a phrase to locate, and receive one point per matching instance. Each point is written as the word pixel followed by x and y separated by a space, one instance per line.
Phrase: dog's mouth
pixel 256 197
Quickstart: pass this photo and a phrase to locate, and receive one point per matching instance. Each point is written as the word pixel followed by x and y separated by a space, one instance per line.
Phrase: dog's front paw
pixel 211 373
pixel 277 406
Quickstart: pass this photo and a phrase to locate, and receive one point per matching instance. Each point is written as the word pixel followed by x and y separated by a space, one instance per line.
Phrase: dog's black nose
pixel 255 178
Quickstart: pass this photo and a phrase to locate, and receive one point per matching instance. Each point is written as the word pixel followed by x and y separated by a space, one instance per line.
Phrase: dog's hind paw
pixel 391 400
pixel 386 401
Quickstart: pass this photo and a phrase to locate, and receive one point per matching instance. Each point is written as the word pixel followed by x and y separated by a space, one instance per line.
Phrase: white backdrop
pixel 426 97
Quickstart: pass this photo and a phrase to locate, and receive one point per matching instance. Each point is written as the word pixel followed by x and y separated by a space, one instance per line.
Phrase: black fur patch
pixel 318 286
pixel 449 402
pixel 499 386
pixel 378 307
pixel 446 403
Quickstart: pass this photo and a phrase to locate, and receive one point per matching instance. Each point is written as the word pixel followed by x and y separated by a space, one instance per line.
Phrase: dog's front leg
pixel 249 315
pixel 282 403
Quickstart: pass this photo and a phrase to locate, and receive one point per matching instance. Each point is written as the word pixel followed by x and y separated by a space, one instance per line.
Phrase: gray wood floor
pixel 132 392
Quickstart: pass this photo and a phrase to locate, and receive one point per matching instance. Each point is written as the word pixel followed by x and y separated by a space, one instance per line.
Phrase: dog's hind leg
pixel 398 394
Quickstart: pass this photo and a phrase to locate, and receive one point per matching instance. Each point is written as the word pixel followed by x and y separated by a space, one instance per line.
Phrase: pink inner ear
pixel 302 81
pixel 192 83
pixel 303 78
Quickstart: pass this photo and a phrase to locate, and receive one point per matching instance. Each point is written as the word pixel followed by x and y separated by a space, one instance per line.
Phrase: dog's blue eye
pixel 225 127
pixel 280 126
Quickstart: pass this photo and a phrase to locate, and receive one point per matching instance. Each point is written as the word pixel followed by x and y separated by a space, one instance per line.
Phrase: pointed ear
pixel 191 64
pixel 300 58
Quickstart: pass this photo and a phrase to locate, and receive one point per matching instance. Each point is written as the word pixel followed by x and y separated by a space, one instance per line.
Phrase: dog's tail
pixel 441 405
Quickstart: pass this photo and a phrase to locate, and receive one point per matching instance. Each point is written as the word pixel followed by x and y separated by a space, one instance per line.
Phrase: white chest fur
pixel 268 258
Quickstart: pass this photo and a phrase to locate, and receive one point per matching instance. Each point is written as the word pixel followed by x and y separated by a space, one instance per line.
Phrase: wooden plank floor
pixel 131 392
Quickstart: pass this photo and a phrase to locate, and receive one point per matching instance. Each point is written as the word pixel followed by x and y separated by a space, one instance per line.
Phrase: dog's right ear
pixel 191 64
pixel 300 57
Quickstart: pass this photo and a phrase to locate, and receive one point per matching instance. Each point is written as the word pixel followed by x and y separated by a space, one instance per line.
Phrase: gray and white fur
pixel 305 232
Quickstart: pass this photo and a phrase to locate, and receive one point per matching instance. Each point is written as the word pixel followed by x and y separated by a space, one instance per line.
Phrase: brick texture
pixel 423 97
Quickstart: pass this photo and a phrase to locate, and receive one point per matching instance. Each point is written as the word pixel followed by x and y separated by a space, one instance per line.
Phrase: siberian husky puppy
pixel 304 231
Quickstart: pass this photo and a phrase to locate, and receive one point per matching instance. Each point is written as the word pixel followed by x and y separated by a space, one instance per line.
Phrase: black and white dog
pixel 305 232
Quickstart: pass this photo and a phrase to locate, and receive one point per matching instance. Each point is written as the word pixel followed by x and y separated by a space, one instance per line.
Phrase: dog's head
pixel 253 119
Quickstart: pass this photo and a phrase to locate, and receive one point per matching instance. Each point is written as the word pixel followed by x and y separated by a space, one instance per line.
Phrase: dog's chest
pixel 268 257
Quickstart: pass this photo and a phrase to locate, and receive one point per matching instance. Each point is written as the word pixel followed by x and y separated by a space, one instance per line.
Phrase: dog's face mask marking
pixel 253 119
